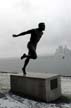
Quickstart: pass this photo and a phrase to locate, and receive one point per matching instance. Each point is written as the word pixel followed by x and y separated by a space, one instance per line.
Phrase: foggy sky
pixel 20 15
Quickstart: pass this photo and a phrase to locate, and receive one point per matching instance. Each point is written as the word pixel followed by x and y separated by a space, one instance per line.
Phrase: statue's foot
pixel 24 72
pixel 23 56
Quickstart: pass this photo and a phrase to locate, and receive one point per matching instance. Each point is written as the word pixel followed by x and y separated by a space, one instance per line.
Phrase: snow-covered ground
pixel 9 100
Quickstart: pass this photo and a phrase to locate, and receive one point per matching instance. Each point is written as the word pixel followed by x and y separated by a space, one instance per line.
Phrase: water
pixel 47 64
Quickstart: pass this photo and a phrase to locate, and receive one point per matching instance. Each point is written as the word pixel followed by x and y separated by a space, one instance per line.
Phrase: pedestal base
pixel 44 87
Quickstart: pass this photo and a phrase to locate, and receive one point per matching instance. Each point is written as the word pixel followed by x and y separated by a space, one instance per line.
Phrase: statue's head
pixel 41 26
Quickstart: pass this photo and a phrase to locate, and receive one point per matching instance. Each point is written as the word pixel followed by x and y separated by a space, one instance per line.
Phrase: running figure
pixel 36 34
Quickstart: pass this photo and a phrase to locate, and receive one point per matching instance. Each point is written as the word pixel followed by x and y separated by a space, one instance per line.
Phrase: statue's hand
pixel 14 35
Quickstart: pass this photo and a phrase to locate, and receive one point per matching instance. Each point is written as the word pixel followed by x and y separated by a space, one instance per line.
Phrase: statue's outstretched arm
pixel 23 33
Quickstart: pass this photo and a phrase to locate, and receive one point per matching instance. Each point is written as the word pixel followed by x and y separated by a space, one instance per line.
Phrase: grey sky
pixel 60 22
pixel 19 15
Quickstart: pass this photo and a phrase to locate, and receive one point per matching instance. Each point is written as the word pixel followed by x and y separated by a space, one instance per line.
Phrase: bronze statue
pixel 36 34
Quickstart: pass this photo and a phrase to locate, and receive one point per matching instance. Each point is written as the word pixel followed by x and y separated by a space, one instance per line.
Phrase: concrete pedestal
pixel 44 87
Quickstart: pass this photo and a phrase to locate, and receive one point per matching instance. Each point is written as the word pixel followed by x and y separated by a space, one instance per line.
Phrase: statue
pixel 36 34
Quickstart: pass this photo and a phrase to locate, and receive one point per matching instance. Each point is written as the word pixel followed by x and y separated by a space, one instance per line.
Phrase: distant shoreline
pixel 17 73
pixel 9 72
